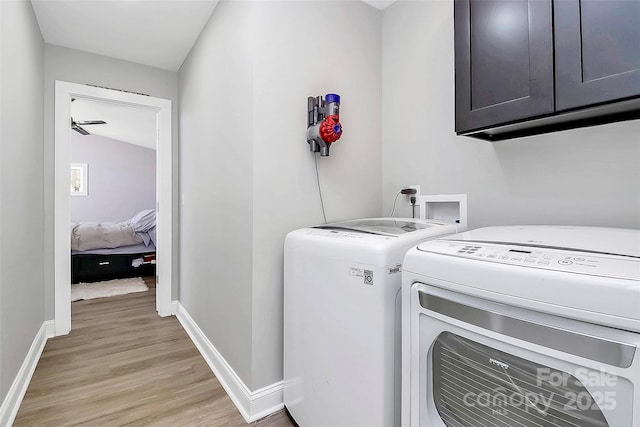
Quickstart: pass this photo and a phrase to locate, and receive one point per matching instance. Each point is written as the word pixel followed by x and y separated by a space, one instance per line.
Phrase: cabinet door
pixel 504 61
pixel 597 51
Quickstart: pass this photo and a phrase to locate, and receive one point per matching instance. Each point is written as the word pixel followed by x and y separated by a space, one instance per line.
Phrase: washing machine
pixel 342 319
pixel 522 325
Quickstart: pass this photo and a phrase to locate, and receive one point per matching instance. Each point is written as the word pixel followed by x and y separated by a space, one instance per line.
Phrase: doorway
pixel 64 93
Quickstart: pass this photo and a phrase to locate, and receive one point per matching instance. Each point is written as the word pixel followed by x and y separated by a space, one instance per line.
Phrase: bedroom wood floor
pixel 123 365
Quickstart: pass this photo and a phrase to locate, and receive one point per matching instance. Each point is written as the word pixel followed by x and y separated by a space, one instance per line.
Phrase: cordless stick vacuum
pixel 323 122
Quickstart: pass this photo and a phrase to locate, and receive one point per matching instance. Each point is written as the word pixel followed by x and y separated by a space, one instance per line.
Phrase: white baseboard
pixel 13 399
pixel 252 405
pixel 50 328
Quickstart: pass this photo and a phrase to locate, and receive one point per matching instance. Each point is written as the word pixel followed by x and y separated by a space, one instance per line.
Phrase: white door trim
pixel 64 91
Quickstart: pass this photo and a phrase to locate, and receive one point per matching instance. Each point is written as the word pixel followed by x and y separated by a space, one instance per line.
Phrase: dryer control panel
pixel 557 259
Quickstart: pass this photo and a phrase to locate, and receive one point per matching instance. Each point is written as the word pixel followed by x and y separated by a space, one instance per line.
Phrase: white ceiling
pixel 129 124
pixel 159 33
pixel 380 4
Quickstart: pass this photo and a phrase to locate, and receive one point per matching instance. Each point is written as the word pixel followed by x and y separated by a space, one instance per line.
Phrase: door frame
pixel 64 91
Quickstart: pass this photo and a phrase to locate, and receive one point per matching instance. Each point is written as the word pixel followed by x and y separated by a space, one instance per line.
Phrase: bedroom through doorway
pixel 113 186
pixel 113 199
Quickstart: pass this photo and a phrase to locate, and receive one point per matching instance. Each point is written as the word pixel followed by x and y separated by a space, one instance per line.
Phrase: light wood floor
pixel 123 365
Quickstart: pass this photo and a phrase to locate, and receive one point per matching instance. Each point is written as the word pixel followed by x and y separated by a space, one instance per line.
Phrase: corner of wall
pixel 13 399
pixel 252 405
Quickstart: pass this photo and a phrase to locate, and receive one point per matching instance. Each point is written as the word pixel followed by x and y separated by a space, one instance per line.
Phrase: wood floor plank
pixel 122 365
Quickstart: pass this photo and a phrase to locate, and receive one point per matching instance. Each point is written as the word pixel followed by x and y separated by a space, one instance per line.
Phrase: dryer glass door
pixel 474 384
pixel 473 373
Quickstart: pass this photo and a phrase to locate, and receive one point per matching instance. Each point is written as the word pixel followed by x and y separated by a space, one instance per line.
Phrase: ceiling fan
pixel 77 126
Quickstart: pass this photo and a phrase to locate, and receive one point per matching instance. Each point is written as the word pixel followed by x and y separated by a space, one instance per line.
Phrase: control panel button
pixel 554 259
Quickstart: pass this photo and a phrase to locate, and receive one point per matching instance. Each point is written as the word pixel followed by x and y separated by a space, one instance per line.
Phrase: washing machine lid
pixel 597 240
pixel 383 226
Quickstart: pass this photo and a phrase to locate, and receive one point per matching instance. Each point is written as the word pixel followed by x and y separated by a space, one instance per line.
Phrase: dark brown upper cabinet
pixel 525 67
pixel 597 51
pixel 504 61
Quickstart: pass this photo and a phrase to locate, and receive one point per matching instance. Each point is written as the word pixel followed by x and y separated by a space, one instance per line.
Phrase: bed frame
pixel 97 267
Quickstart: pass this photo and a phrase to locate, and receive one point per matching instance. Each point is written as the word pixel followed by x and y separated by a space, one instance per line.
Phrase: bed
pixel 107 250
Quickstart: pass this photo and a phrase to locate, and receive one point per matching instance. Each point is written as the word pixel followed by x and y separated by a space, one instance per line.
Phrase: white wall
pixel 85 68
pixel 21 186
pixel 586 176
pixel 216 178
pixel 246 169
pixel 121 179
pixel 306 49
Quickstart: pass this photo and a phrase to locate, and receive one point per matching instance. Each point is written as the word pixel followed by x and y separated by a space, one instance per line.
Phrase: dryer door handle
pixel 611 352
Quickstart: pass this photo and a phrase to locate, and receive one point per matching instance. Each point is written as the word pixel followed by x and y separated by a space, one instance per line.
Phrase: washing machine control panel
pixel 545 258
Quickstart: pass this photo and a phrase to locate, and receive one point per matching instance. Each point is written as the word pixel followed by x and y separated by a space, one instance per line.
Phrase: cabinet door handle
pixel 104 263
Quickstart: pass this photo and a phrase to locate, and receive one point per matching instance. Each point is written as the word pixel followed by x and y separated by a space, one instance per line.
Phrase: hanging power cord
pixel 394 204
pixel 413 206
pixel 405 191
pixel 324 215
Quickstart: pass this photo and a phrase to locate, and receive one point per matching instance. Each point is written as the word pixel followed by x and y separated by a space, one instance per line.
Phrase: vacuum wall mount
pixel 323 122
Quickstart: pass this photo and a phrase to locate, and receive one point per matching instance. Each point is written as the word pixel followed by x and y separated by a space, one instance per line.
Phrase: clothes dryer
pixel 523 325
pixel 342 319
